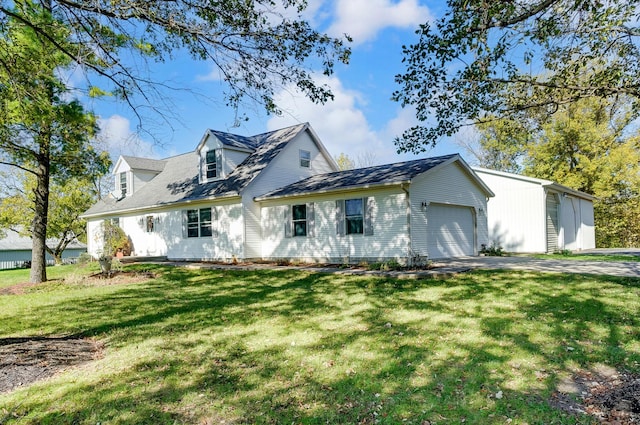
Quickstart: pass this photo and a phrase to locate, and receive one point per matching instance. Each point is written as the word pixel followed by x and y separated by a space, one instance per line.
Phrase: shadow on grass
pixel 283 347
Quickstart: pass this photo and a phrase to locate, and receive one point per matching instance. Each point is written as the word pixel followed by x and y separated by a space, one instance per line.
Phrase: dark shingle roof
pixel 360 177
pixel 178 182
pixel 236 141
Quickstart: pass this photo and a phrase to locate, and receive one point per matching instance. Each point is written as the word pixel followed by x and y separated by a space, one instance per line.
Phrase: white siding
pixel 284 169
pixel 390 239
pixel 449 185
pixel 167 238
pixel 516 215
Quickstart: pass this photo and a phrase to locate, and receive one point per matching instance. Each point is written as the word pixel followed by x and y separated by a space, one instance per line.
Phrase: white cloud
pixel 341 125
pixel 363 19
pixel 118 139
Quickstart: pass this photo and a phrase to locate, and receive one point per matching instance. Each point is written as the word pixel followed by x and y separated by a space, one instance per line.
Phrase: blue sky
pixel 361 121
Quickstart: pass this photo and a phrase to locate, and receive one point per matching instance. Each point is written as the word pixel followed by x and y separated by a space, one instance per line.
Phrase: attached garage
pixel 450 231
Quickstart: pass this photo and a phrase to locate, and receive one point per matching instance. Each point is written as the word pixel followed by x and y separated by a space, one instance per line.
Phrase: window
pixel 299 220
pixel 299 215
pixel 354 216
pixel 211 164
pixel 198 223
pixel 305 159
pixel 123 183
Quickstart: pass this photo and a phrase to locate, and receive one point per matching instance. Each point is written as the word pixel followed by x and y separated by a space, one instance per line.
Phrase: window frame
pixel 305 158
pixel 150 224
pixel 354 218
pixel 303 221
pixel 211 166
pixel 123 183
pixel 200 223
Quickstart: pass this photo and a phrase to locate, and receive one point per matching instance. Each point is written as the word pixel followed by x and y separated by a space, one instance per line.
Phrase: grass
pixel 590 257
pixel 15 276
pixel 272 347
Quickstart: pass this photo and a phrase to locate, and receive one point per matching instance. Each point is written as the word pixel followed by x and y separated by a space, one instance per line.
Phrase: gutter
pixel 157 206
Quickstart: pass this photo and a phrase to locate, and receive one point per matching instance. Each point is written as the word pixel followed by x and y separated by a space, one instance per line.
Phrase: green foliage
pixel 344 162
pixel 492 250
pixel 42 132
pixel 205 346
pixel 507 59
pixel 255 47
pixel 115 240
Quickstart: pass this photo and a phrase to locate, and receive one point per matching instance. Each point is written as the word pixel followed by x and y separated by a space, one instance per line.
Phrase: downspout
pixel 407 201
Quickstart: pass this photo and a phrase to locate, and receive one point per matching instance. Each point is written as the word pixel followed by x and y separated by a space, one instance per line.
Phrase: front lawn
pixel 283 347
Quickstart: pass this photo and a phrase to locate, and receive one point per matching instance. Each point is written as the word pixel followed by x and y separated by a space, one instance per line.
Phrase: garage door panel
pixel 450 231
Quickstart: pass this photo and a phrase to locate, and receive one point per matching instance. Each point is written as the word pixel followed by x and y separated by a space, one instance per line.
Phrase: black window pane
pixel 192 232
pixel 205 230
pixel 192 216
pixel 205 215
pixel 299 212
pixel 211 157
pixel 354 225
pixel 300 228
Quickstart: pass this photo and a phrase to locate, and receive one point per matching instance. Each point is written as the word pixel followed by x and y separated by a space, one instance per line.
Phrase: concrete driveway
pixel 624 269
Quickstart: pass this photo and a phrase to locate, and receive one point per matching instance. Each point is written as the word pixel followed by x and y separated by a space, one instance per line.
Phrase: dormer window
pixel 123 183
pixel 211 165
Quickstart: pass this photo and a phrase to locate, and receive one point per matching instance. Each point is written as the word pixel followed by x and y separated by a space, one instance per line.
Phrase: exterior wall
pixel 167 238
pixel 15 259
pixel 516 215
pixel 576 223
pixel 390 239
pixel 283 170
pixel 450 185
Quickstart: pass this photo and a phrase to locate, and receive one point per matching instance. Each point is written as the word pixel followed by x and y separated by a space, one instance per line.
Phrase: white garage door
pixel 450 231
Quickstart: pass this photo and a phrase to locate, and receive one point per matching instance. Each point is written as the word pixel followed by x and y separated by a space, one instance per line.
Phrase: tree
pixel 507 59
pixel 344 162
pixel 66 202
pixel 502 145
pixel 257 46
pixel 42 133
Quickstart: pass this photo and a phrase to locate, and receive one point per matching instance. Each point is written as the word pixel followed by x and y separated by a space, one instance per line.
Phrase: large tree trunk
pixel 39 226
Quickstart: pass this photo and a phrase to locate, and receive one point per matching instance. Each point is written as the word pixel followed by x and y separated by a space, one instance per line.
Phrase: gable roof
pixel 178 182
pixel 362 178
pixel 542 182
pixel 147 164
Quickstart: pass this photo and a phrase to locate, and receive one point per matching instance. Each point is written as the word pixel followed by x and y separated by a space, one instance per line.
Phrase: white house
pixel 278 195
pixel 536 215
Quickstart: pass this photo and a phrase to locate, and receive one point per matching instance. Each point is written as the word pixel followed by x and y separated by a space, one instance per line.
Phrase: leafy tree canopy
pixel 66 202
pixel 506 58
pixel 257 46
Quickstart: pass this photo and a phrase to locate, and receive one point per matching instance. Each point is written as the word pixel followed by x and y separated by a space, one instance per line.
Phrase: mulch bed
pixel 612 397
pixel 26 360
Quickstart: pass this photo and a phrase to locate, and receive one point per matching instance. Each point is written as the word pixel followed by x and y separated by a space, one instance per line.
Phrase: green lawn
pixel 283 347
pixel 590 257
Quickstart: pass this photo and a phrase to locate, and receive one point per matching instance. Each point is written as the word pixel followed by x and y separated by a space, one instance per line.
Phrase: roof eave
pixel 331 191
pixel 159 206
